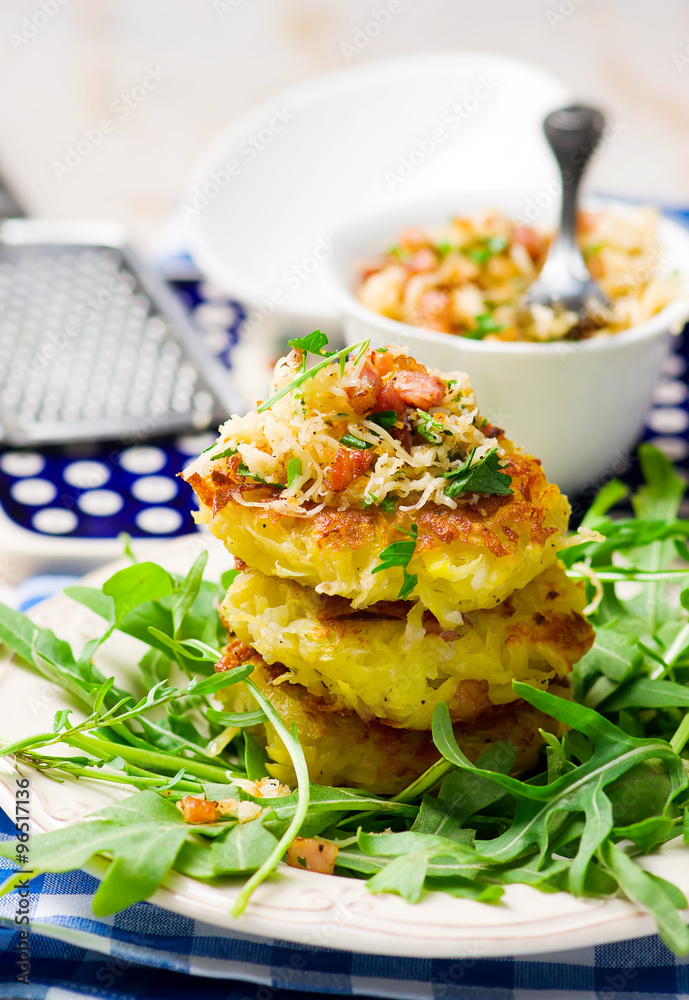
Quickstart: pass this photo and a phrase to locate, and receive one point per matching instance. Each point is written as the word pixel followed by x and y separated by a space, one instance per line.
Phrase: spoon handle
pixel 573 134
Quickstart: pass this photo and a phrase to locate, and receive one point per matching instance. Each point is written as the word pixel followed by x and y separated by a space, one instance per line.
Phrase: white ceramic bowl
pixel 261 206
pixel 579 407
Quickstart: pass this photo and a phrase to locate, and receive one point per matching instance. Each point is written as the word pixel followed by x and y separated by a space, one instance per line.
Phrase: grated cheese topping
pixel 308 423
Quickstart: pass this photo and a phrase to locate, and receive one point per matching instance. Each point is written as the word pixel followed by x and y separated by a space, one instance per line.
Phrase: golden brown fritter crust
pixel 468 558
pixel 394 661
pixel 343 750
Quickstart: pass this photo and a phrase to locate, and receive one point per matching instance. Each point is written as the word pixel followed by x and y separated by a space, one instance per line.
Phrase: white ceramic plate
pixel 265 197
pixel 299 906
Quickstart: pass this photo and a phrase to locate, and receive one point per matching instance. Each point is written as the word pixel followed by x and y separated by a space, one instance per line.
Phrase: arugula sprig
pixel 400 554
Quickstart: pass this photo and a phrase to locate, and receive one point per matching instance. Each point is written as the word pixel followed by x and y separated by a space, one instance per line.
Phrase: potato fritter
pixel 395 662
pixel 326 475
pixel 342 750
pixel 468 558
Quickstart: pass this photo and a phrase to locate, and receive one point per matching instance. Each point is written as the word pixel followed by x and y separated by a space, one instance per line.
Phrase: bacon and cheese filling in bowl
pixel 349 459
pixel 468 277
pixel 394 662
pixel 342 750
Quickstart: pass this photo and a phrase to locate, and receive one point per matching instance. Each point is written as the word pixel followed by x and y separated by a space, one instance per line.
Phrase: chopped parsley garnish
pixel 387 504
pixel 444 248
pixel 244 470
pixel 350 441
pixel 313 344
pixel 487 248
pixel 293 470
pixel 484 324
pixel 594 249
pixel 302 377
pixel 386 418
pixel 223 454
pixel 484 477
pixel 430 428
pixel 399 554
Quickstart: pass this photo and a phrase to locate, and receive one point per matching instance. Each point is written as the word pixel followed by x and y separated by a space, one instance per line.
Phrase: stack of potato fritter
pixel 395 551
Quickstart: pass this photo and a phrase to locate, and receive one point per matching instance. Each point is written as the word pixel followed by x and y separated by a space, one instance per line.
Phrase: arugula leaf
pixel 243 849
pixel 463 793
pixel 238 719
pixel 143 834
pixel 183 599
pixel 400 554
pixel 644 692
pixel 131 587
pixel 485 476
pixel 651 894
pixel 255 757
pixel 95 600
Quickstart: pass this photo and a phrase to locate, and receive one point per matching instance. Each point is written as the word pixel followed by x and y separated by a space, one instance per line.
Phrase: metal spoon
pixel 565 283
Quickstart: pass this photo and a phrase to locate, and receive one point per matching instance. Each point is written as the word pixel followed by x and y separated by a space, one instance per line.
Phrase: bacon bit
pixel 413 238
pixel 199 810
pixel 368 270
pixel 196 810
pixel 240 564
pixel 234 654
pixel 490 430
pixel 419 389
pixel 532 241
pixel 587 221
pixel 363 395
pixel 231 475
pixel 383 362
pixel 388 399
pixel 424 259
pixel 312 854
pixel 348 465
pixel 434 305
pixel 269 788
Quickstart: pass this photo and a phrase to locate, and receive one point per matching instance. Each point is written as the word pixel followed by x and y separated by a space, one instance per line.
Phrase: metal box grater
pixel 93 345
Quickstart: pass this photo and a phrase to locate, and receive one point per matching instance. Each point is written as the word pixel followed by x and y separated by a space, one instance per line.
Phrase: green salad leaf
pixel 612 789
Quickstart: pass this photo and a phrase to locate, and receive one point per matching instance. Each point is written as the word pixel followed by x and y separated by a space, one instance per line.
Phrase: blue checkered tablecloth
pixel 147 952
